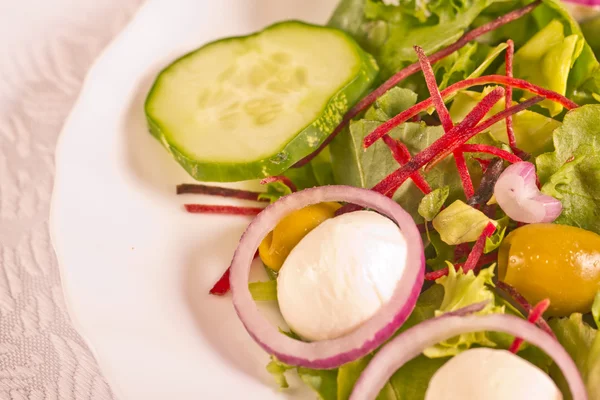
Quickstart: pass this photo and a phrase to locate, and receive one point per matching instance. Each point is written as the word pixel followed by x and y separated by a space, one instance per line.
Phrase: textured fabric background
pixel 46 47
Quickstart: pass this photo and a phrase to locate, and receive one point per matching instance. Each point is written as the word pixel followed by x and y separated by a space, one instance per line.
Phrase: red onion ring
pixel 328 354
pixel 589 3
pixel 517 194
pixel 413 341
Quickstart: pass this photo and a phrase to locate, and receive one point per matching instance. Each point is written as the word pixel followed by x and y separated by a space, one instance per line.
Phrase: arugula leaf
pixel 461 290
pixel 460 223
pixel 582 342
pixel 432 203
pixel 570 173
pixel 533 131
pixel 263 291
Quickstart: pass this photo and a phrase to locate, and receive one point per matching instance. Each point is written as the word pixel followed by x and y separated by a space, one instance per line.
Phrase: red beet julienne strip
pixel 283 179
pixel 217 209
pixel 493 150
pixel 469 133
pixel 512 292
pixel 462 85
pixel 221 287
pixel 394 180
pixel 190 188
pixel 534 316
pixel 484 260
pixel 510 52
pixel 477 251
pixel 434 90
pixel 445 119
pixel 414 68
pixel 402 155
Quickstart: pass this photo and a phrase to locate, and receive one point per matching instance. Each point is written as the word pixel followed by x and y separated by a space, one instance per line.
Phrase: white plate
pixel 135 268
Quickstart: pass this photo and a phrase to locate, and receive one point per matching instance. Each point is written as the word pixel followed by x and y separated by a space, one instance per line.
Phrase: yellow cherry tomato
pixel 276 246
pixel 558 262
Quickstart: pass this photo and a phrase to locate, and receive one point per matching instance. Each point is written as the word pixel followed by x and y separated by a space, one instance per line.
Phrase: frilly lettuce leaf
pixel 570 172
pixel 278 369
pixel 460 223
pixel 494 241
pixel 432 203
pixel 533 131
pixel 389 32
pixel 582 342
pixel 461 290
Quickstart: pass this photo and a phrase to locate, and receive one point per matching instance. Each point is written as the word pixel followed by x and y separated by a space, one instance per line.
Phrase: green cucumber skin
pixel 297 148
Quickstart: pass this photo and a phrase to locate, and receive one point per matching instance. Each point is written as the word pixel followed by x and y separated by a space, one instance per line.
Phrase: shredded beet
pixel 510 53
pixel 521 301
pixel 402 155
pixel 188 188
pixel 399 76
pixel 534 316
pixel 463 172
pixel 445 119
pixel 485 190
pixel 484 260
pixel 221 287
pixel 477 251
pixel 461 250
pixel 493 150
pixel 467 134
pixel 283 179
pixel 434 90
pixel 462 85
pixel 394 180
pixel 218 209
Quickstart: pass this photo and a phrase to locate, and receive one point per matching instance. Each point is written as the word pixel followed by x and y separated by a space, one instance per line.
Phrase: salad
pixel 430 219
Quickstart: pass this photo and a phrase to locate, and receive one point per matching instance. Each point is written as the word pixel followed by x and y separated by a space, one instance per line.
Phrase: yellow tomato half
pixel 558 262
pixel 278 244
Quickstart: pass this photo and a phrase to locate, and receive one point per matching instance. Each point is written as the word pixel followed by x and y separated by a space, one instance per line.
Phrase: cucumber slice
pixel 249 107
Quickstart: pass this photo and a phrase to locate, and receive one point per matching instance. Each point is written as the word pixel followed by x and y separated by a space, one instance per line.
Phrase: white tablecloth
pixel 46 47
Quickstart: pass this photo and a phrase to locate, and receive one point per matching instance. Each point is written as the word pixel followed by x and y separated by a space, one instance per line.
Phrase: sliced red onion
pixel 517 194
pixel 412 342
pixel 328 354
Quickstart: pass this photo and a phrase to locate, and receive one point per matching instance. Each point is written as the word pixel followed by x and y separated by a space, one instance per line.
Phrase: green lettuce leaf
pixel 349 373
pixel 275 190
pixel 494 241
pixel 582 342
pixel 432 203
pixel 278 369
pixel 461 290
pixel 443 252
pixel 410 382
pixel 533 131
pixel 390 32
pixel 460 223
pixel 263 291
pixel 571 172
pixel 591 32
pixel 322 381
pixel 546 60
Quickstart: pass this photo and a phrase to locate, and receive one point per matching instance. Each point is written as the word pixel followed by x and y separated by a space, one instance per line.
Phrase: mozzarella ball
pixel 490 374
pixel 340 274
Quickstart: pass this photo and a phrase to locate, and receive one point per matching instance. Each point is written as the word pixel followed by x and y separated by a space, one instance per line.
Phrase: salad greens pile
pixel 551 52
